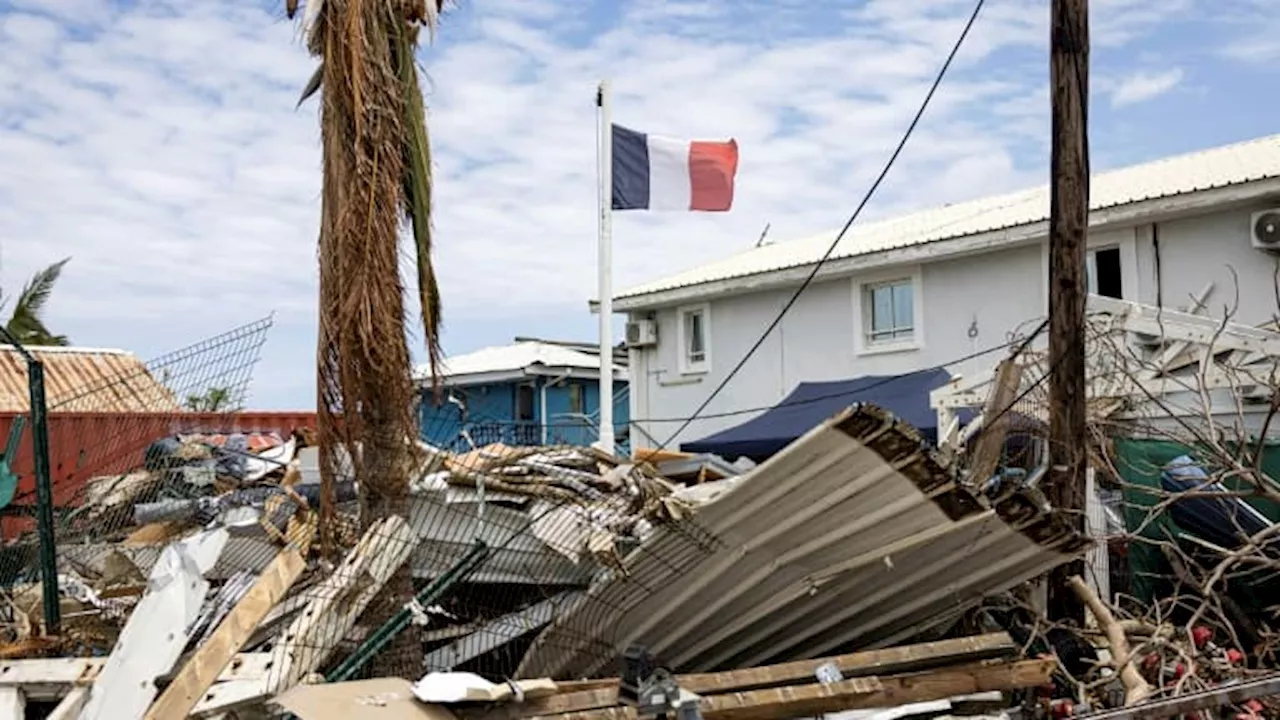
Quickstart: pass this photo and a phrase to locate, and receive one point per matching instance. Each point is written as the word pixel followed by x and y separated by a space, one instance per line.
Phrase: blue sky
pixel 156 142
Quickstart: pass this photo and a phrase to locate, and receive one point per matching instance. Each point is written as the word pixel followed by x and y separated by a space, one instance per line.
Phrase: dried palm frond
pixel 376 168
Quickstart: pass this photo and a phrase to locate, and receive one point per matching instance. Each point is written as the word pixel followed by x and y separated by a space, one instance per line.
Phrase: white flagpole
pixel 605 261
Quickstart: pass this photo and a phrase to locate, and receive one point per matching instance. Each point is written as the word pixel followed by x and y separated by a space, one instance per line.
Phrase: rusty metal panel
pixel 85 380
pixel 854 536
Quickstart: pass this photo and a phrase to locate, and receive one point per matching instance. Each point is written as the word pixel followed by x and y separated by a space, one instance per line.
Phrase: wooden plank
pixel 890 661
pixel 1177 347
pixel 339 601
pixel 47 679
pixel 791 701
pixel 990 444
pixel 235 695
pixel 208 662
pixel 851 694
pixel 71 705
pixel 13 704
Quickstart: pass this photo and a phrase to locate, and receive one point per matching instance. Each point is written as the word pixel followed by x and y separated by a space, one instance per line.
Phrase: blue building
pixel 531 392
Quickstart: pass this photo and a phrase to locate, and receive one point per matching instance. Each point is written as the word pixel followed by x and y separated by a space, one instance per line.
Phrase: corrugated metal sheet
pixel 518 556
pixel 84 380
pixel 526 354
pixel 1214 168
pixel 854 536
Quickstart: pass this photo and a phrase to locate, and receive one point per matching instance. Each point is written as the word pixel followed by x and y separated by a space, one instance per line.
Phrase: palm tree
pixel 214 399
pixel 26 323
pixel 376 171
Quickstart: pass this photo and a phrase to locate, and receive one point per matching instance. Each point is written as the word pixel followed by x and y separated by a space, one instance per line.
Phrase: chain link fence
pixel 112 420
pixel 499 538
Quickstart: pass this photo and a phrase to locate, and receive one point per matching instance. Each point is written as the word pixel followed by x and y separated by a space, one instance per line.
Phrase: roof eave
pixel 1151 210
pixel 505 376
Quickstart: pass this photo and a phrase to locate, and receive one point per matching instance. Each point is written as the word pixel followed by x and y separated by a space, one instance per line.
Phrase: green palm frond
pixel 418 185
pixel 26 323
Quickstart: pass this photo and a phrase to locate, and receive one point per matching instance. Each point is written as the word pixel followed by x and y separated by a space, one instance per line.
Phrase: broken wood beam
pixel 990 444
pixel 593 694
pixel 201 671
pixel 45 679
pixel 338 602
pixel 851 694
pixel 907 658
pixel 889 661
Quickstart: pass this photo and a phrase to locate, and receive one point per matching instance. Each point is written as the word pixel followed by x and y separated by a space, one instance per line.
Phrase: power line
pixel 840 236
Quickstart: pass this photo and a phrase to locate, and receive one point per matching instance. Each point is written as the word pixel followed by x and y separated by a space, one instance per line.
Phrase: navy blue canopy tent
pixel 906 396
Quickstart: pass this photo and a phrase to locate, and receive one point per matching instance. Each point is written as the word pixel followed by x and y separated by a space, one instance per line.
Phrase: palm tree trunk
pixel 364 361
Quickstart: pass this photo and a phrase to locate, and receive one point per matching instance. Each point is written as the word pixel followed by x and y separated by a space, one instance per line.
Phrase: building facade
pixel 532 392
pixel 940 286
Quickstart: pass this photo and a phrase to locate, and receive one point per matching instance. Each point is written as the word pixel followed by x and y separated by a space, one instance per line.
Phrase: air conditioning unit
pixel 1264 229
pixel 642 333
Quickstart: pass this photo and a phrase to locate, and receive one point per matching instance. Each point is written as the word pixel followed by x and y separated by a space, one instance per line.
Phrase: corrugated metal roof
pixel 1218 167
pixel 854 536
pixel 84 380
pixel 518 356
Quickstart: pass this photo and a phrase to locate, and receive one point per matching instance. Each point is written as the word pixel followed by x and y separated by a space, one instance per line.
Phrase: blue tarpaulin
pixel 906 396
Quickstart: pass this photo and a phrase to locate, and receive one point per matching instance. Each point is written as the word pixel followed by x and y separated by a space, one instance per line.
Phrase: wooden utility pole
pixel 1068 224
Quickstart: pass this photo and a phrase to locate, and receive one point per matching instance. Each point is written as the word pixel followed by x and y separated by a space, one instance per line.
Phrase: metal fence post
pixel 44 497
pixel 44 485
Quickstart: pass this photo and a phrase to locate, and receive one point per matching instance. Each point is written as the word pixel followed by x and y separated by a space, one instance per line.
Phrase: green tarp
pixel 1140 463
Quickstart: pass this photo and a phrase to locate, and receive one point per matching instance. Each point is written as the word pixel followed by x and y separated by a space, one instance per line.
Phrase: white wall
pixel 1197 250
pixel 993 293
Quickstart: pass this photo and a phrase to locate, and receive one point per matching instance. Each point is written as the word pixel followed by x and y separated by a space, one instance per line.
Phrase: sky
pixel 157 143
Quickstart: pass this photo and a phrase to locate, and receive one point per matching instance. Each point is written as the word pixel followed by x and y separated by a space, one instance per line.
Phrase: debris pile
pixel 194 587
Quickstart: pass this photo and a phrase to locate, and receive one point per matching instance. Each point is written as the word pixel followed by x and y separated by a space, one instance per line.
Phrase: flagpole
pixel 605 265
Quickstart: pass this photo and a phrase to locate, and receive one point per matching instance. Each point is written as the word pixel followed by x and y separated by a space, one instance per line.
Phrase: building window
pixel 694 333
pixel 524 403
pixel 891 311
pixel 1102 272
pixel 888 316
pixel 576 404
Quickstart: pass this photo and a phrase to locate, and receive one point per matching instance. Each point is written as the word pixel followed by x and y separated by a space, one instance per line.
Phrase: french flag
pixel 651 172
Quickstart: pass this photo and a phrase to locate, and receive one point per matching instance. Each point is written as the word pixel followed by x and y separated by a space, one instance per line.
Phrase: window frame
pixel 1127 241
pixel 576 392
pixel 523 390
pixel 1091 267
pixel 684 362
pixel 864 312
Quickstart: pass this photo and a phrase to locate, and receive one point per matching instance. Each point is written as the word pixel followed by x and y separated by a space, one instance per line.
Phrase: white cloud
pixel 1144 85
pixel 157 143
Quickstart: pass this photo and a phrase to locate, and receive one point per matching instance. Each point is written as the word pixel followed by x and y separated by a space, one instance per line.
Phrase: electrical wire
pixel 937 81
pixel 1022 344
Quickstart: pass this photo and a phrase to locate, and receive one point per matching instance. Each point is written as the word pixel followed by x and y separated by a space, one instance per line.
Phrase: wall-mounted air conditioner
pixel 1264 229
pixel 642 333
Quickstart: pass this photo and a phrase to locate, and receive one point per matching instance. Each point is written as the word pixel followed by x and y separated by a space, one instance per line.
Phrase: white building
pixel 933 286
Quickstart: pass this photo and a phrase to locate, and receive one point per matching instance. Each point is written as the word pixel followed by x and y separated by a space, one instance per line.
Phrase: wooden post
pixel 1068 223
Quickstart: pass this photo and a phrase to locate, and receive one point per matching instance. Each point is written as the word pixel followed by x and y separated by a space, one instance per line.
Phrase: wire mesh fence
pixel 495 543
pixel 115 424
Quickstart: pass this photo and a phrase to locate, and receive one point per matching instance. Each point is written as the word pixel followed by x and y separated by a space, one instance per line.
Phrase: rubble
pixel 193 587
